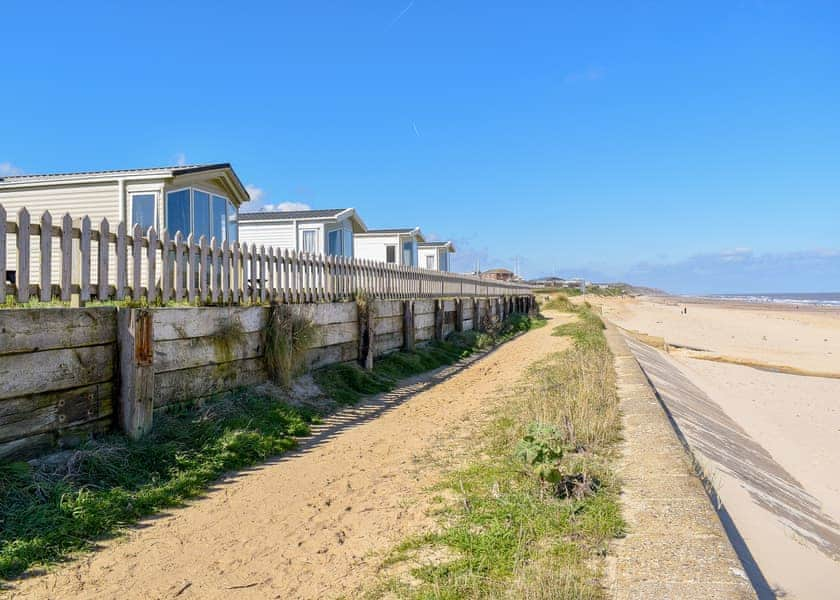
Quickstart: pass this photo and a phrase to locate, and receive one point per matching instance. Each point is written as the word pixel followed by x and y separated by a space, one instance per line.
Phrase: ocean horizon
pixel 813 298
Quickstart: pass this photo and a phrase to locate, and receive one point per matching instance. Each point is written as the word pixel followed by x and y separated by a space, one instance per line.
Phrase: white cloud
pixel 180 159
pixel 287 206
pixel 256 193
pixel 8 169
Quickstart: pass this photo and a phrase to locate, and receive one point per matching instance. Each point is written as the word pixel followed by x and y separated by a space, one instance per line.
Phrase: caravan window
pixel 408 253
pixel 310 237
pixel 196 212
pixel 143 211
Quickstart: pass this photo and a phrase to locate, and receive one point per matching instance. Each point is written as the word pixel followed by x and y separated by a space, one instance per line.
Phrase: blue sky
pixel 690 146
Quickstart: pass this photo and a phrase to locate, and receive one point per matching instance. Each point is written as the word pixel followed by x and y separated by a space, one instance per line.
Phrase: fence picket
pixel 136 267
pixel 23 256
pixel 151 289
pixel 84 260
pixel 122 262
pixel 180 267
pixel 235 273
pixel 215 275
pixel 225 272
pixel 263 282
pixel 192 276
pixel 102 252
pixel 166 266
pixel 203 270
pixel 46 257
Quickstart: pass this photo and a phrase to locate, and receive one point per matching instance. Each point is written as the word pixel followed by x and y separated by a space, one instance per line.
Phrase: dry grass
pixel 576 390
pixel 287 338
pixel 506 535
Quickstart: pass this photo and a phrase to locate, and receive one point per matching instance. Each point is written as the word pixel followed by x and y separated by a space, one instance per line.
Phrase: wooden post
pixel 408 325
pixel 135 404
pixel 366 335
pixel 440 307
pixel 477 314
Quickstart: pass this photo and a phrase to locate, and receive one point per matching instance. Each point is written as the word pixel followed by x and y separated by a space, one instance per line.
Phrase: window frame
pixel 154 196
pixel 411 252
pixel 392 247
pixel 192 188
pixel 303 232
pixel 430 262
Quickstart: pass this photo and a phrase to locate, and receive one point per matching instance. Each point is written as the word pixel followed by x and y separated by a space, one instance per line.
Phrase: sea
pixel 817 299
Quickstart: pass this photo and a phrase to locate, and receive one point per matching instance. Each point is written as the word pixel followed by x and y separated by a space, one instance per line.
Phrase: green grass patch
pixel 587 331
pixel 348 383
pixel 109 483
pixel 532 513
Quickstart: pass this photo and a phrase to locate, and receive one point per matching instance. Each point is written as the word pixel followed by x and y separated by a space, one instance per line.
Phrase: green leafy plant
pixel 542 449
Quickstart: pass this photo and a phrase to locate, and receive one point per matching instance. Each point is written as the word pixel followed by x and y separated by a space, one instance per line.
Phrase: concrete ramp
pixel 676 546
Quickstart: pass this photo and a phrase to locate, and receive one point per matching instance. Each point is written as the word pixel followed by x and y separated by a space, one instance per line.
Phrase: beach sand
pixel 794 418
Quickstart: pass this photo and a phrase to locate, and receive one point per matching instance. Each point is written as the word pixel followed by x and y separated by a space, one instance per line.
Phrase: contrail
pixel 400 16
pixel 416 131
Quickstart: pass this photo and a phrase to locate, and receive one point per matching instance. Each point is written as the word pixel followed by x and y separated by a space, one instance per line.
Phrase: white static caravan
pixel 395 246
pixel 197 199
pixel 327 231
pixel 435 255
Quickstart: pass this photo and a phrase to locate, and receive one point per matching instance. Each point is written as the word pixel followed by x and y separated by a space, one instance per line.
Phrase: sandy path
pixel 313 523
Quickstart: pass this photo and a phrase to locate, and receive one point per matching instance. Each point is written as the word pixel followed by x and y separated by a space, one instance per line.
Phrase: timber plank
pixel 172 355
pixel 176 387
pixel 41 413
pixel 387 308
pixel 385 325
pixel 337 353
pixel 422 334
pixel 39 372
pixel 336 333
pixel 37 329
pixel 202 321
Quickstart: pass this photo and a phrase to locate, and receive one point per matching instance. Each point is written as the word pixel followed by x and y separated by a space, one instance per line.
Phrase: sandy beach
pixel 769 441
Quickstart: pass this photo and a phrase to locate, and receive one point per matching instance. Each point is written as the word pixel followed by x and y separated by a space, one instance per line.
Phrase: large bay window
pixel 194 211
pixel 340 242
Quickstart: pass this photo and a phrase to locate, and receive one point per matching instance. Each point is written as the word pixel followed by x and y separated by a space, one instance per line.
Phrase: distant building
pixel 499 275
pixel 324 231
pixel 394 246
pixel 435 255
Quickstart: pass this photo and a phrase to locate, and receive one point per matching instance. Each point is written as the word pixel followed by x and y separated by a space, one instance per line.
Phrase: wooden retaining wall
pixel 56 376
pixel 69 372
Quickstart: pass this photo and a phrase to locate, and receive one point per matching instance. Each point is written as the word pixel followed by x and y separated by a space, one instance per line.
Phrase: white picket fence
pixel 163 268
